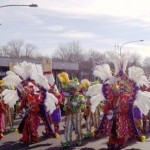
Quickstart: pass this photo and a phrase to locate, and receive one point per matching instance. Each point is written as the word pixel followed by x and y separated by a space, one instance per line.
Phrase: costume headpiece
pixel 85 83
pixel 26 75
pixel 63 77
pixel 124 86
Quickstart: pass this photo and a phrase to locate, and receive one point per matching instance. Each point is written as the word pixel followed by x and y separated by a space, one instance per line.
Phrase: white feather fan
pixel 36 68
pixel 124 59
pixel 50 102
pixel 50 78
pixel 143 102
pixel 95 101
pixel 39 68
pixel 25 69
pixel 115 59
pixel 12 80
pixel 137 74
pixel 103 71
pixel 10 97
pixel 120 62
pixel 20 70
pixel 94 90
pixel 144 81
pixel 41 80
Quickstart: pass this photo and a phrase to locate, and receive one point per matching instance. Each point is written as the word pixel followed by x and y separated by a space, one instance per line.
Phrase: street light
pixel 128 43
pixel 32 5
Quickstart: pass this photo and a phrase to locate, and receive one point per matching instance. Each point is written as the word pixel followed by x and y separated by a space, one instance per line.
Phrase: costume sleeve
pixel 107 107
pixel 124 106
pixel 22 105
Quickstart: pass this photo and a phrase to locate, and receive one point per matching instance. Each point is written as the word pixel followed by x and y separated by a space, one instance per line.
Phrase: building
pixel 6 63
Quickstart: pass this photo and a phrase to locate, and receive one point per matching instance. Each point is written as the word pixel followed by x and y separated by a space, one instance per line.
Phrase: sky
pixel 95 24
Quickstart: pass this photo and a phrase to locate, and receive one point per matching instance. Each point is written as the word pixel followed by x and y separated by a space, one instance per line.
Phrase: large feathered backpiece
pixel 24 74
pixel 95 94
pixel 127 83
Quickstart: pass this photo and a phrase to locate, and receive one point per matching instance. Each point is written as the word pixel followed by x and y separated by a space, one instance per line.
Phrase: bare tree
pixel 134 60
pixel 17 48
pixel 97 56
pixel 70 52
pixel 29 48
pixel 4 51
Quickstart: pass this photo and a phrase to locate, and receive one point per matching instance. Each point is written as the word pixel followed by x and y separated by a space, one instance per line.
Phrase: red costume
pixel 2 114
pixel 118 126
pixel 30 122
pixel 2 118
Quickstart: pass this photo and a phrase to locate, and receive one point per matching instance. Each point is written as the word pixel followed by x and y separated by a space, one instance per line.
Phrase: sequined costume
pixel 73 104
pixel 2 115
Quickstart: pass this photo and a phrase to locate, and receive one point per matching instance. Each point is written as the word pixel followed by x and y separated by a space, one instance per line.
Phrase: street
pixel 11 142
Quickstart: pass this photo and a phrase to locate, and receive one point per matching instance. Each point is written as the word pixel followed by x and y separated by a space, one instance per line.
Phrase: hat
pixel 63 77
pixel 85 83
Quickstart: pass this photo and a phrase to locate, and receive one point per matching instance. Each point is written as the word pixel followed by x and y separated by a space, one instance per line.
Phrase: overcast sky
pixel 96 24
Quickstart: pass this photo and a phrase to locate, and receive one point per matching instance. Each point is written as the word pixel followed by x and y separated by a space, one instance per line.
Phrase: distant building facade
pixel 7 63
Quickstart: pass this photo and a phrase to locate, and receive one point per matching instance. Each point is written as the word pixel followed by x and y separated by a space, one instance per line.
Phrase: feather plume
pixel 12 80
pixel 10 97
pixel 94 90
pixel 20 70
pixel 144 81
pixel 143 101
pixel 137 74
pixel 115 59
pixel 50 78
pixel 103 71
pixel 41 80
pixel 39 68
pixel 36 68
pixel 50 102
pixel 124 59
pixel 25 69
pixel 95 101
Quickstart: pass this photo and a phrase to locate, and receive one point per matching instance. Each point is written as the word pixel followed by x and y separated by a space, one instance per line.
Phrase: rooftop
pixel 4 62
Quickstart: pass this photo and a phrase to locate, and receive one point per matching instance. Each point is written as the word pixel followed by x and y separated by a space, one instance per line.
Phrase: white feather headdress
pixel 143 102
pixel 50 102
pixel 50 78
pixel 137 75
pixel 12 79
pixel 95 101
pixel 120 62
pixel 95 92
pixel 103 71
pixel 10 97
pixel 41 80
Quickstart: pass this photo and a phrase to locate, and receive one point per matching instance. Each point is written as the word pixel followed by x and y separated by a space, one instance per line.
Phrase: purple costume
pixel 56 115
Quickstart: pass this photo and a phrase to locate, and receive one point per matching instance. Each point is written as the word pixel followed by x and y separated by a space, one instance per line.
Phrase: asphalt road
pixel 11 142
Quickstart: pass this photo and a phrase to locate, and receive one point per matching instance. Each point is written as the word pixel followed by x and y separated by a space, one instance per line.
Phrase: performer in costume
pixel 2 114
pixel 31 118
pixel 73 105
pixel 55 117
pixel 92 118
pixel 118 126
pixel 32 89
pixel 137 117
pixel 94 106
pixel 121 93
